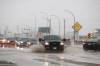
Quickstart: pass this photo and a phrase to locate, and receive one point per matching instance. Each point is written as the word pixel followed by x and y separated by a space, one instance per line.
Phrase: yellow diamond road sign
pixel 76 26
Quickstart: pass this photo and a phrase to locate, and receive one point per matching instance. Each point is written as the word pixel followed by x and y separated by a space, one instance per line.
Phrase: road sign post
pixel 76 28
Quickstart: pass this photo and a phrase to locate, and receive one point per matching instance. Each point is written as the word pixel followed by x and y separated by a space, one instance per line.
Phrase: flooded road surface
pixel 36 56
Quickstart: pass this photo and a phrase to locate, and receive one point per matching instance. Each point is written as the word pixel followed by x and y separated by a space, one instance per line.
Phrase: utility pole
pixel 35 26
pixel 18 34
pixel 58 22
pixel 64 28
pixel 50 25
pixel 49 21
pixel 66 10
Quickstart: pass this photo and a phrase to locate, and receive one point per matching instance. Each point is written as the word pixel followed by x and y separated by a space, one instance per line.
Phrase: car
pixel 52 42
pixel 21 43
pixel 26 42
pixel 91 45
pixel 32 41
pixel 7 43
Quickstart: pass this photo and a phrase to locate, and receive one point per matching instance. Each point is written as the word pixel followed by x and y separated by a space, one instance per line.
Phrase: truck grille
pixel 54 43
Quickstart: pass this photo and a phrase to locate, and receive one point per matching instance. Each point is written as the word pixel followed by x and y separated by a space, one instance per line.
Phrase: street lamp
pixel 66 10
pixel 49 20
pixel 58 21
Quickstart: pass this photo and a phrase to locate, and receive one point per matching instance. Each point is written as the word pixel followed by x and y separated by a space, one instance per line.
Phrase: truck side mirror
pixel 64 39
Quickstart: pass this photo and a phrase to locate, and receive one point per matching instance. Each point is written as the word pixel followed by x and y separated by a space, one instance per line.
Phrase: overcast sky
pixel 22 12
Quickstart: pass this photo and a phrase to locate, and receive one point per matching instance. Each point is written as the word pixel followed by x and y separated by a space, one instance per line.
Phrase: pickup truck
pixel 52 42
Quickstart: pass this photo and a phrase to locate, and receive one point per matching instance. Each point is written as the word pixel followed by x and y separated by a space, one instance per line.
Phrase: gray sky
pixel 22 12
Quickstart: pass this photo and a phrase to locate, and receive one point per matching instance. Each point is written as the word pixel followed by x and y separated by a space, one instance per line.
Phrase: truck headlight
pixel 46 43
pixel 21 42
pixel 61 43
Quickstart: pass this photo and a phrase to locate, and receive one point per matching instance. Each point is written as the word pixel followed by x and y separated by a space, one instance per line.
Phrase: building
pixel 97 33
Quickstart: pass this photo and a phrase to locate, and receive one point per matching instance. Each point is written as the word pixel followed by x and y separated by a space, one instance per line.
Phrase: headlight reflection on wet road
pixel 46 60
pixel 50 59
pixel 61 56
pixel 18 48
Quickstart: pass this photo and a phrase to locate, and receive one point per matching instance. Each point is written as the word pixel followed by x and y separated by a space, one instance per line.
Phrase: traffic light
pixel 89 35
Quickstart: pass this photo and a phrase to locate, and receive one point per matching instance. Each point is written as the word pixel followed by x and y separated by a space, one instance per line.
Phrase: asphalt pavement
pixel 73 55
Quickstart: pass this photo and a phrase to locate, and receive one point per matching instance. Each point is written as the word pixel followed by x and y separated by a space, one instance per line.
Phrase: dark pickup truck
pixel 52 42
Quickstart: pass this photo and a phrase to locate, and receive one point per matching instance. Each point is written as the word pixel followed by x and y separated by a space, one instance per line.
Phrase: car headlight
pixel 61 43
pixel 46 43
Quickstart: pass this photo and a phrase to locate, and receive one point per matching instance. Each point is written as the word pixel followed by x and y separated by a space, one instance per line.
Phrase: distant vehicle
pixel 92 45
pixel 21 43
pixel 7 43
pixel 26 43
pixel 52 42
pixel 33 41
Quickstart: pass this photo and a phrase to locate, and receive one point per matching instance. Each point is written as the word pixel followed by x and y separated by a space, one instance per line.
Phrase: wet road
pixel 36 56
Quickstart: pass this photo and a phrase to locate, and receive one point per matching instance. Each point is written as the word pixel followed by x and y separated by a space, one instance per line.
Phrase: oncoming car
pixel 91 45
pixel 52 42
pixel 26 43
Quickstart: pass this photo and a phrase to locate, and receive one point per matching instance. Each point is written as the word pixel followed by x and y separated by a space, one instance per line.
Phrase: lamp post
pixel 49 20
pixel 66 10
pixel 64 28
pixel 58 21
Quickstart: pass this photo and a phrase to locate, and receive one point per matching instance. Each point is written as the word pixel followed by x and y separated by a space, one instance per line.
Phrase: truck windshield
pixel 52 38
